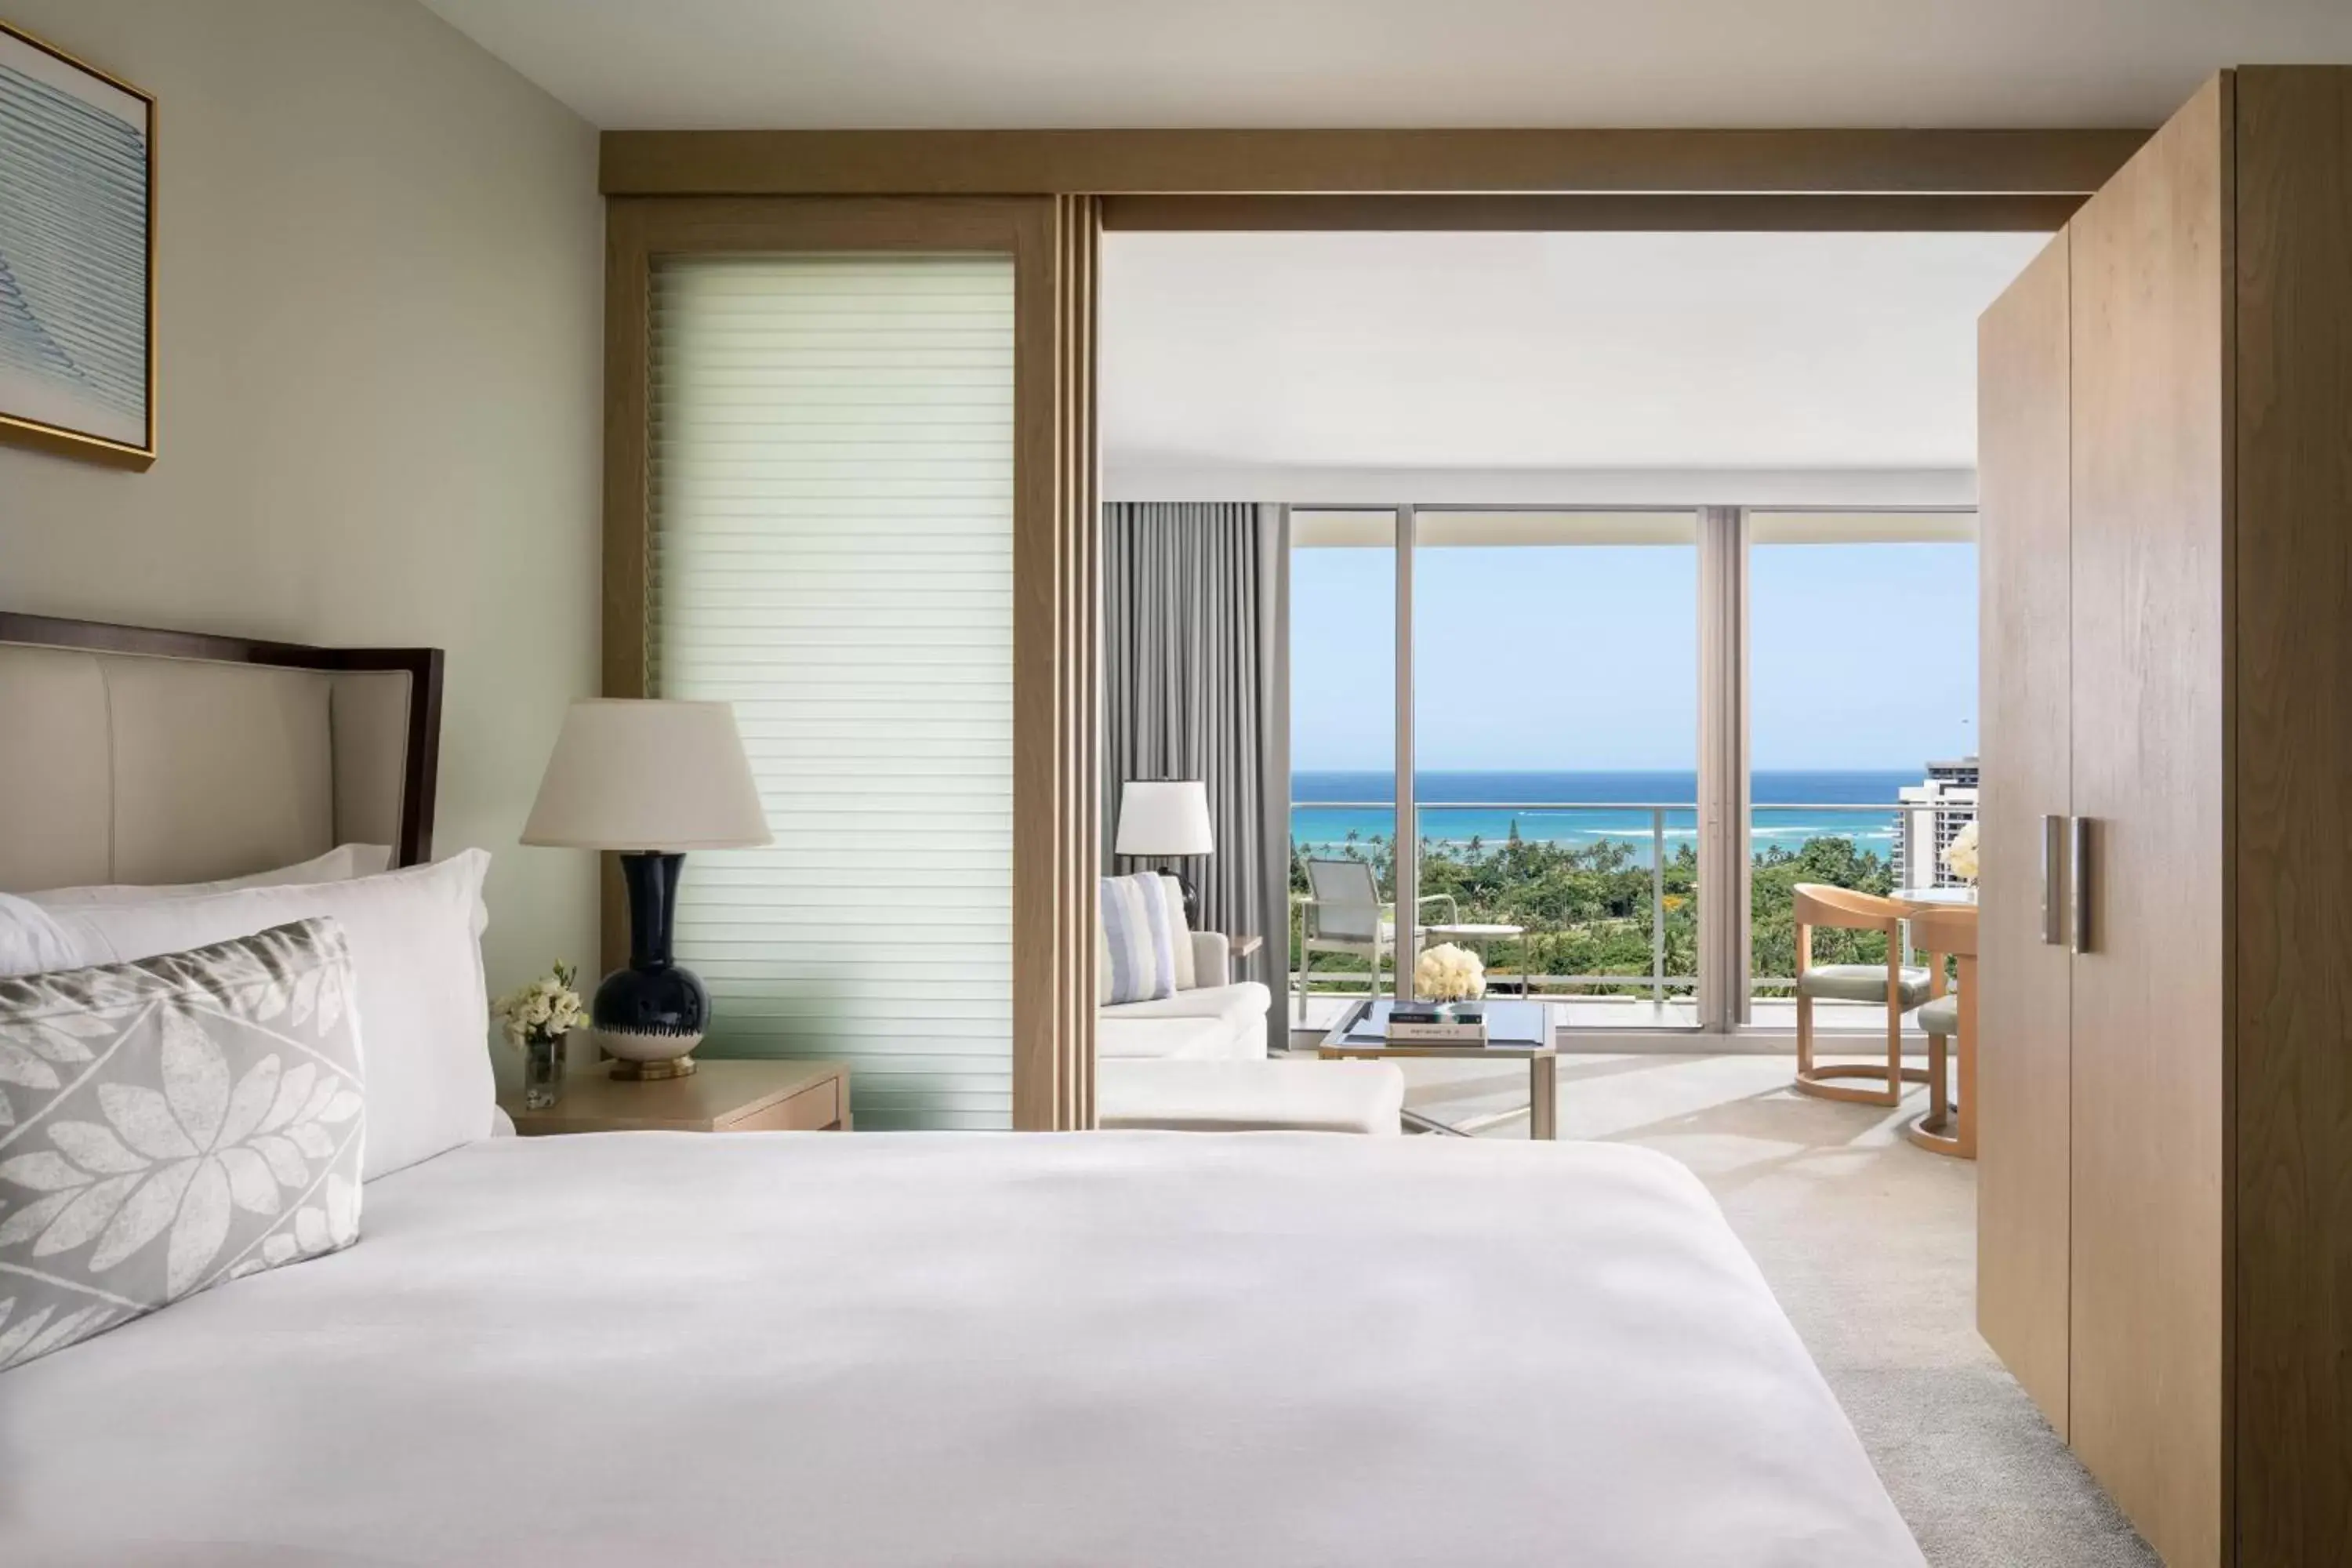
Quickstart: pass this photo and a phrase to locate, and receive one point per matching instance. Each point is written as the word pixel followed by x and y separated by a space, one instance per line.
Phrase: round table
pixel 1936 898
pixel 1944 1128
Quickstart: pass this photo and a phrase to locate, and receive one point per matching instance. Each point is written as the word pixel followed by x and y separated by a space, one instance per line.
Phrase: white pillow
pixel 31 940
pixel 424 1016
pixel 340 864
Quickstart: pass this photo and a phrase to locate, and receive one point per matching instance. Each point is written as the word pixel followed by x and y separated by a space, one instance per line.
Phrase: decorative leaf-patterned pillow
pixel 168 1124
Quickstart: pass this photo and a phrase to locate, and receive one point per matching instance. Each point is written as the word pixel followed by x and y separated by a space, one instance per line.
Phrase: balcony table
pixel 1478 935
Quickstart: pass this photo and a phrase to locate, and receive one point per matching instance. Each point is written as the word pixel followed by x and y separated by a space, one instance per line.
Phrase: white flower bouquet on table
pixel 536 1017
pixel 1449 973
pixel 1960 854
pixel 547 1009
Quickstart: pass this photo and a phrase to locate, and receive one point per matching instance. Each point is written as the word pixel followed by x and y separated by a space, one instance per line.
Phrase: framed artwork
pixel 77 256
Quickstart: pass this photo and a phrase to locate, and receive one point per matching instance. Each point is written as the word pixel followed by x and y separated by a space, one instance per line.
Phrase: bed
pixel 938 1348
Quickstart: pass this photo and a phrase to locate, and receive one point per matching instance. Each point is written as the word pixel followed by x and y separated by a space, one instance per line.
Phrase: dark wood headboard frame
pixel 423 665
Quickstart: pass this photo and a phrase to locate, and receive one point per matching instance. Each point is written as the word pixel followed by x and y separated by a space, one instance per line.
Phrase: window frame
pixel 1724 802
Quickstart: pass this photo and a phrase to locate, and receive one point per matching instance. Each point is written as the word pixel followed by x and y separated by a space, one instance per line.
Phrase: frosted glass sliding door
pixel 831 548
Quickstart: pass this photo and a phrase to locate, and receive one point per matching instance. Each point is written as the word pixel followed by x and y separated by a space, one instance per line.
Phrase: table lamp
pixel 652 780
pixel 1164 818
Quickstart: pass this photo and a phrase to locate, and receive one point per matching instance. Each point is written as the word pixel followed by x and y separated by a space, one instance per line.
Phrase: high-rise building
pixel 1936 809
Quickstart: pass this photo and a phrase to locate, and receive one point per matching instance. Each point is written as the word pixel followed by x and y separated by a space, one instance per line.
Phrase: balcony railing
pixel 1592 891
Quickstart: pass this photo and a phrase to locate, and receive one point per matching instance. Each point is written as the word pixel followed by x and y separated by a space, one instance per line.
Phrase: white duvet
pixel 653 1349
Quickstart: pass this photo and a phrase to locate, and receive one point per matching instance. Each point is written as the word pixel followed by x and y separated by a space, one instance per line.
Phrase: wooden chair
pixel 1901 988
pixel 1944 1128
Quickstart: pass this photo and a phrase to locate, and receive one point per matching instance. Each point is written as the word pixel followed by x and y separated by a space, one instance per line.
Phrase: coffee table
pixel 1515 1031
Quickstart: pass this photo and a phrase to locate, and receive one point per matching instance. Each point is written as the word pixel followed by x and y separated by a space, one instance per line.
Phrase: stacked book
pixel 1428 1023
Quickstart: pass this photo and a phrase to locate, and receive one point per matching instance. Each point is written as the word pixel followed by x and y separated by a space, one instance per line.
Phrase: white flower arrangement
pixel 1449 973
pixel 546 1009
pixel 1960 854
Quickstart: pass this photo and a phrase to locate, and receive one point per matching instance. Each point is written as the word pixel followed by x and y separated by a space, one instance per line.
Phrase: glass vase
pixel 542 1073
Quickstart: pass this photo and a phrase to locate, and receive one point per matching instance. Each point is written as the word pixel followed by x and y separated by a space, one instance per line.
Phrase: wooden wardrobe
pixel 2165 1126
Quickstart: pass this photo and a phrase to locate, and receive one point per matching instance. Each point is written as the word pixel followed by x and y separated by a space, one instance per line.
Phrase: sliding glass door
pixel 1343 755
pixel 1555 754
pixel 1862 724
pixel 1494 740
pixel 1599 747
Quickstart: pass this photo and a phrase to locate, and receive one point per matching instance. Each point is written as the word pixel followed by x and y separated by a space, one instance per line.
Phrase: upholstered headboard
pixel 129 754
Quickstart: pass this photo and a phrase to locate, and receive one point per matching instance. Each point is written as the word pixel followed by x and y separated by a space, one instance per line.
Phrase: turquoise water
pixel 1546 807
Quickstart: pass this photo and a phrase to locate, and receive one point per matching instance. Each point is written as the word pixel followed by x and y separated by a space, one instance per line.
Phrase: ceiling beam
pixel 1146 478
pixel 1235 163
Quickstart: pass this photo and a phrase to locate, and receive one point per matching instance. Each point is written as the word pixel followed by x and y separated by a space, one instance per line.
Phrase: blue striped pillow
pixel 1136 947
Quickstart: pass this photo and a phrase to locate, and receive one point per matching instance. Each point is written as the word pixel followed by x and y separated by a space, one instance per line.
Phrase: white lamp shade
pixel 1164 817
pixel 648 775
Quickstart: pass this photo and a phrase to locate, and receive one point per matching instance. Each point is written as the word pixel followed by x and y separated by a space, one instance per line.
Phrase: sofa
pixel 1195 1061
pixel 1218 1019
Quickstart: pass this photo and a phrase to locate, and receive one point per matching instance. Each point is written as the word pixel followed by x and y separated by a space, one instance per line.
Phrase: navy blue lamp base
pixel 651 1015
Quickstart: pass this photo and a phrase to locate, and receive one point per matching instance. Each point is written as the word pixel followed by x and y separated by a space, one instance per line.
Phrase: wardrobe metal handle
pixel 2054 908
pixel 2078 873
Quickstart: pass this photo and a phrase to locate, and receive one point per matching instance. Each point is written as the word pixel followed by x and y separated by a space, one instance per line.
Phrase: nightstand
pixel 734 1095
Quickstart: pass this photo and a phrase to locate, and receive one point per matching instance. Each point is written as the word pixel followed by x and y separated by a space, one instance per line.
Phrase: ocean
pixel 1585 808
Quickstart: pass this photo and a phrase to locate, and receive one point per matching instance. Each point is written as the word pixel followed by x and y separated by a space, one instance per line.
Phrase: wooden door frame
pixel 1053 242
pixel 1046 196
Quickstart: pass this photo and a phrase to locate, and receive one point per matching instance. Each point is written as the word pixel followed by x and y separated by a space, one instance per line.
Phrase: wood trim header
pixel 1166 162
pixel 1641 214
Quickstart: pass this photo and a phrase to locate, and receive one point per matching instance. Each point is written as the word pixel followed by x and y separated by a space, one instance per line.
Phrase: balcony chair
pixel 1943 1127
pixel 1899 987
pixel 1343 913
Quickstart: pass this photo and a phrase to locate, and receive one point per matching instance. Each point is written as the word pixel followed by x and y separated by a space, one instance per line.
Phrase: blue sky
pixel 1585 658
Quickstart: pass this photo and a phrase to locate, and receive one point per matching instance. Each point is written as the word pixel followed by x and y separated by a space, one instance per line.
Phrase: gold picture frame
pixel 78 280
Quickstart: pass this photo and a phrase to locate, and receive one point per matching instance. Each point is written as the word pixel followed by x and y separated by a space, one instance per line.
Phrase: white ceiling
pixel 1150 63
pixel 1616 351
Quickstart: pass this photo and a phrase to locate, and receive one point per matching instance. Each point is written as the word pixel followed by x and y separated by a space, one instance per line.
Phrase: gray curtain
pixel 1192 689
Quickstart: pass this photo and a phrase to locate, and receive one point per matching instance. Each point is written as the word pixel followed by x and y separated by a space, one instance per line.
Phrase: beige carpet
pixel 1871 1246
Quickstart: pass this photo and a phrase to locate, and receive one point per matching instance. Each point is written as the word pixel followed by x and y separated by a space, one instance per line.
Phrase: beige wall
pixel 379 326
